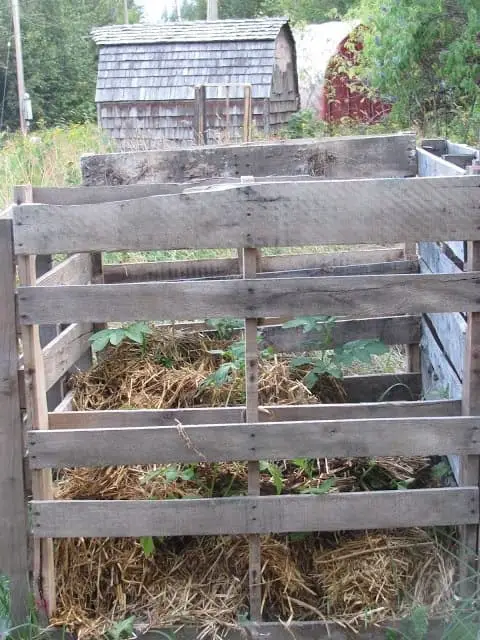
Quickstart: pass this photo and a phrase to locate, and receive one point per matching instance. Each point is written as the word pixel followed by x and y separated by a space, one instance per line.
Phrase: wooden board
pixel 254 441
pixel 75 269
pixel 250 515
pixel 118 419
pixel 315 630
pixel 182 269
pixel 346 296
pixel 60 355
pixel 13 515
pixel 362 156
pixel 260 215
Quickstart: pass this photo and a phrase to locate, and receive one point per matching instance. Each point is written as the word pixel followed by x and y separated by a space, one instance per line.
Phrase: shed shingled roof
pixel 152 63
pixel 198 31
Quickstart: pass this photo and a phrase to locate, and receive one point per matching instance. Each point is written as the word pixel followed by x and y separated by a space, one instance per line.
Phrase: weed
pixel 275 473
pixel 122 630
pixel 136 332
pixel 225 327
pixel 321 489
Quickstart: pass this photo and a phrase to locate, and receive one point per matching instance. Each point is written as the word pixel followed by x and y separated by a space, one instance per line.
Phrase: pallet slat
pixel 177 269
pixel 126 418
pixel 254 441
pixel 345 296
pixel 260 215
pixel 250 515
pixel 74 270
pixel 64 351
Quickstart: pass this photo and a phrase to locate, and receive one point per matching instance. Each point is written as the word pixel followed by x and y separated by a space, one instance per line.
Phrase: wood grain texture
pixel 75 269
pixel 251 515
pixel 119 419
pixel 314 630
pixel 13 515
pixel 183 269
pixel 37 418
pixel 346 296
pixel 260 215
pixel 397 266
pixel 362 156
pixel 255 441
pixel 61 354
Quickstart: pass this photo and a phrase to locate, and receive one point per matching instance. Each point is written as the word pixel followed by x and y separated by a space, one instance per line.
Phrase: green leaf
pixel 188 474
pixel 297 537
pixel 300 361
pixel 148 546
pixel 310 380
pixel 171 474
pixel 122 630
pixel 117 336
pixel 100 339
pixel 137 332
pixel 275 474
pixel 323 488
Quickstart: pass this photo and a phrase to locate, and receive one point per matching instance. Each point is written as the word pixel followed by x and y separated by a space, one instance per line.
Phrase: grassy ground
pixel 50 157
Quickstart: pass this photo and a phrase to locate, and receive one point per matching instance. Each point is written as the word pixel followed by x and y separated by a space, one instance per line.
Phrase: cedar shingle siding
pixel 147 75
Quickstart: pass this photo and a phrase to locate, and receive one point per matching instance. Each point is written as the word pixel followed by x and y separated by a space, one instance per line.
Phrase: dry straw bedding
pixel 204 580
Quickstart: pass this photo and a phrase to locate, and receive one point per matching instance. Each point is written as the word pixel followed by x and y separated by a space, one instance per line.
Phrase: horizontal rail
pixel 255 441
pixel 344 296
pixel 126 418
pixel 260 215
pixel 75 269
pixel 182 269
pixel 250 515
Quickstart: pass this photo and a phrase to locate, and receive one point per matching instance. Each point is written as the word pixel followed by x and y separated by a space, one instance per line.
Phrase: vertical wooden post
pixel 200 115
pixel 13 519
pixel 247 113
pixel 250 258
pixel 37 418
pixel 266 117
pixel 470 465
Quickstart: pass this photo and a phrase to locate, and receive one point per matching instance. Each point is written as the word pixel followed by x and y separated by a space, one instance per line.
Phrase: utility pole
pixel 179 10
pixel 212 10
pixel 19 61
pixel 125 10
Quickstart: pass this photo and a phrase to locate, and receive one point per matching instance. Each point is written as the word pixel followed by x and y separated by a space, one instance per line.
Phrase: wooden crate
pixel 380 294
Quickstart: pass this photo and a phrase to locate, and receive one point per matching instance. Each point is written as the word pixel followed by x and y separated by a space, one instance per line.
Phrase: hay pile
pixel 205 580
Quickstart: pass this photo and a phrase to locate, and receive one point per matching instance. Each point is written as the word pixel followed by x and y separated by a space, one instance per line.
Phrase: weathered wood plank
pixel 281 631
pixel 432 165
pixel 390 330
pixel 255 441
pixel 362 156
pixel 119 419
pixel 276 266
pixel 61 354
pixel 345 296
pixel 250 515
pixel 435 260
pixel 260 215
pixel 75 269
pixel 13 514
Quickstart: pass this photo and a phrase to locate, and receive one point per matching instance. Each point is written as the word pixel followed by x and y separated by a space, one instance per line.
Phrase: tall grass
pixel 48 157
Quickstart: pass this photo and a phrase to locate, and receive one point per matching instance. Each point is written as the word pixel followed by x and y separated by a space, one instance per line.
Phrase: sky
pixel 153 9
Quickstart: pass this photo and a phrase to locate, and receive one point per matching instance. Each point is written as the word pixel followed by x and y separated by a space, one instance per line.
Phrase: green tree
pixel 426 55
pixel 60 59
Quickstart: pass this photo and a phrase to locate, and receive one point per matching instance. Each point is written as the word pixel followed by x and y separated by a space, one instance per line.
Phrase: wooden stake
pixel 37 418
pixel 249 265
pixel 13 520
pixel 470 465
pixel 247 113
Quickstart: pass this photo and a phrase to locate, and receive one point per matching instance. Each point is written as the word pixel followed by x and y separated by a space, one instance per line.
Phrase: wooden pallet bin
pixel 380 294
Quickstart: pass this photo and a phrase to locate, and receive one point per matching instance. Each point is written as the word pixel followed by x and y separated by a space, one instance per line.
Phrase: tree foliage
pixel 59 56
pixel 426 55
pixel 296 10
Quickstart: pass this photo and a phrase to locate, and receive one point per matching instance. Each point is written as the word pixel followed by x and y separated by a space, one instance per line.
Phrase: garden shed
pixel 147 76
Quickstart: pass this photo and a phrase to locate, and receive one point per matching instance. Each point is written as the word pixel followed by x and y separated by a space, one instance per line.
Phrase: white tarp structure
pixel 316 44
